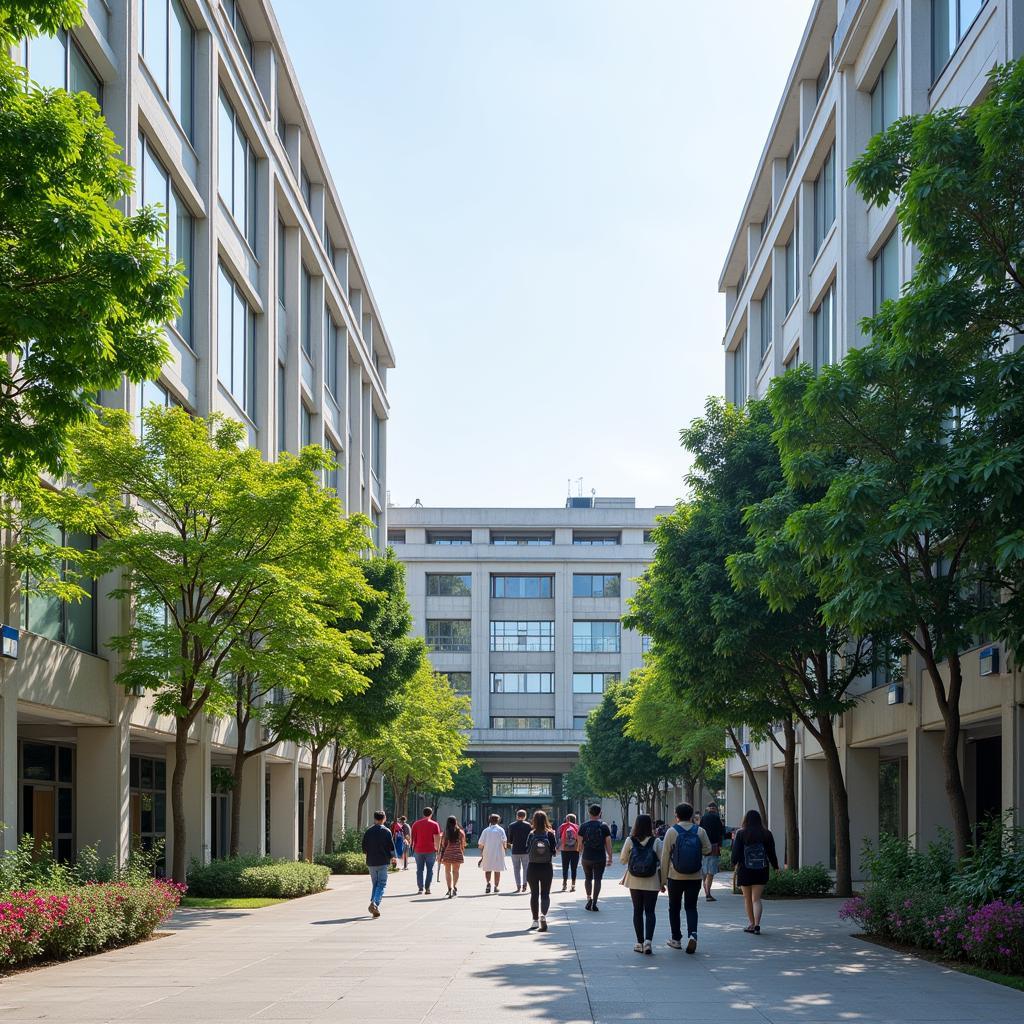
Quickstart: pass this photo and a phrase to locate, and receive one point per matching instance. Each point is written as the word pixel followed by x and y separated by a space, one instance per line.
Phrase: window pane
pixel 239 156
pixel 182 252
pixel 179 85
pixel 48 61
pixel 225 150
pixel 154 39
pixel 83 78
pixel 37 761
pixel 225 297
pixel 304 300
pixel 237 345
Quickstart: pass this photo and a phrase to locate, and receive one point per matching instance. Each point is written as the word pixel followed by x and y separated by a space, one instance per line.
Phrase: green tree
pixel 85 291
pixel 469 786
pixel 213 545
pixel 578 787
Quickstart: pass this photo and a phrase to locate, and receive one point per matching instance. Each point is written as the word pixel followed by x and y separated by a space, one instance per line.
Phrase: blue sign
pixel 9 636
pixel 988 661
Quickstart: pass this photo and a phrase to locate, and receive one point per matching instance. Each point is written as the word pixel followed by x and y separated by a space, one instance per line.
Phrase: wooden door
pixel 44 809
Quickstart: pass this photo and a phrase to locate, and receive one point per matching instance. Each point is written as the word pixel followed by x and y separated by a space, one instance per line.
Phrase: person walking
pixel 398 834
pixel 569 845
pixel 684 849
pixel 712 824
pixel 453 853
pixel 492 851
pixel 753 849
pixel 615 831
pixel 379 850
pixel 540 869
pixel 641 853
pixel 426 837
pixel 518 834
pixel 595 854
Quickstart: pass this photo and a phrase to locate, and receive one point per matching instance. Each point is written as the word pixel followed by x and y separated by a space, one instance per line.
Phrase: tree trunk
pixel 363 797
pixel 314 778
pixel 242 727
pixel 691 791
pixel 332 800
pixel 789 795
pixel 751 776
pixel 624 806
pixel 179 841
pixel 840 807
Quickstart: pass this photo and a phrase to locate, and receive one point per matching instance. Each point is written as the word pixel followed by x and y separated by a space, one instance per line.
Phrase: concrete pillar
pixel 323 787
pixel 353 788
pixel 284 810
pixel 8 754
pixel 734 799
pixel 814 812
pixel 102 792
pixel 198 796
pixel 1013 761
pixel 776 808
pixel 253 824
pixel 861 775
pixel 926 791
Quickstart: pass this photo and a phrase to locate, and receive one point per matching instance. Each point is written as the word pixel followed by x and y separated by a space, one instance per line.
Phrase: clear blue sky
pixel 543 194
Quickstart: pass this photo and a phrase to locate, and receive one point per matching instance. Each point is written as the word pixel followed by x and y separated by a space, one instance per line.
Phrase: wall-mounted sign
pixel 988 660
pixel 9 636
pixel 895 693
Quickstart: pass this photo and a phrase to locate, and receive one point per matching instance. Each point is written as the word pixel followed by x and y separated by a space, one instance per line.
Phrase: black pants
pixel 643 913
pixel 593 872
pixel 683 892
pixel 570 861
pixel 538 878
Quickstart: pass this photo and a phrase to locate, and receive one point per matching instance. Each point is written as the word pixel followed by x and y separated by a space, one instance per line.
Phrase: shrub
pixel 36 924
pixel 811 880
pixel 995 871
pixel 256 876
pixel 344 863
pixel 348 840
pixel 993 937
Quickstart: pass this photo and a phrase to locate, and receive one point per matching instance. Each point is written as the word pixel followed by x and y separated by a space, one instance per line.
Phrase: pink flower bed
pixel 37 924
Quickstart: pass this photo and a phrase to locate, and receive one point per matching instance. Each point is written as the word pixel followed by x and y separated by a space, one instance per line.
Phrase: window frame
pixel 63 607
pixel 247 400
pixel 434 576
pixel 592 576
pixel 522 682
pixel 453 644
pixel 766 320
pixel 588 644
pixel 505 577
pixel 825 199
pixel 538 636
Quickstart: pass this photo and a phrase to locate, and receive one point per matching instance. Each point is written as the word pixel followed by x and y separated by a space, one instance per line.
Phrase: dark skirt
pixel 750 876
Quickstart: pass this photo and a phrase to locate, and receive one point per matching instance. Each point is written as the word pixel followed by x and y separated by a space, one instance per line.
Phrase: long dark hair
pixel 451 829
pixel 643 827
pixel 540 822
pixel 753 827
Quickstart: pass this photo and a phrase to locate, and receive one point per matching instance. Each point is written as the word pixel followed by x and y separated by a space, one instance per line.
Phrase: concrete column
pixel 284 810
pixel 320 818
pixel 926 791
pixel 102 791
pixel 8 754
pixel 1013 761
pixel 862 788
pixel 252 831
pixel 198 796
pixel 352 787
pixel 813 809
pixel 776 808
pixel 734 808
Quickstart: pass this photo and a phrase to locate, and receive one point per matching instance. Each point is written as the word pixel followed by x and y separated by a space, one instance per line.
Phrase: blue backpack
pixel 643 860
pixel 687 851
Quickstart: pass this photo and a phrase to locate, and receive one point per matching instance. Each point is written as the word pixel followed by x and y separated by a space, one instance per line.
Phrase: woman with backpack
pixel 682 857
pixel 569 844
pixel 540 851
pixel 641 853
pixel 753 849
pixel 453 854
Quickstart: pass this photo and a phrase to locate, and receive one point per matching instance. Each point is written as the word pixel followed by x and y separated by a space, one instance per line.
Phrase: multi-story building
pixel 279 329
pixel 808 260
pixel 521 609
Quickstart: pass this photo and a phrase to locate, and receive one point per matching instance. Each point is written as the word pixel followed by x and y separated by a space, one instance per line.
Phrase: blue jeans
pixel 378 879
pixel 424 861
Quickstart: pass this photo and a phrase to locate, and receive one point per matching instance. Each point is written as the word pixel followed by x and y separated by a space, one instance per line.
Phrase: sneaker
pixel 535 926
pixel 594 907
pixel 588 904
pixel 374 912
pixel 638 947
pixel 543 923
pixel 419 892
pixel 691 945
pixel 674 944
pixel 573 889
pixel 496 890
pixel 427 891
pixel 712 899
pixel 647 947
pixel 757 929
pixel 488 889
pixel 564 886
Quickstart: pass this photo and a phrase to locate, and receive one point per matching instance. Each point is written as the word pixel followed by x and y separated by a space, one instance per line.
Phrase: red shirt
pixel 423 832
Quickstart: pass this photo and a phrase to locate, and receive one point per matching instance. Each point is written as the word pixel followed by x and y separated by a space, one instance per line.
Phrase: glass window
pixel 168 44
pixel 579 721
pixel 452 635
pixel 885 98
pixel 765 221
pixel 67 622
pixel 282 407
pixel 515 587
pixel 305 308
pixel 236 177
pixel 396 536
pixel 825 330
pixel 595 538
pixel 521 786
pixel 332 473
pixel 449 585
pixel 57 62
pixel 332 346
pixel 596 585
pixel 236 342
pixel 282 266
pixel 306 425
pixel 460 682
pixel 376 445
pixel 739 372
pixel 645 643
pixel 885 268
pixel 593 682
pixel 596 637
pixel 766 320
pixel 825 198
pixel 822 79
pixel 522 682
pixel 449 538
pixel 150 392
pixel 522 722
pixel 307 189
pixel 792 274
pixel 238 23
pixel 520 539
pixel 522 636
pixel 951 21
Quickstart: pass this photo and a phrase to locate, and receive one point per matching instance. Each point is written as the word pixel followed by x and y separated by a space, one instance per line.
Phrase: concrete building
pixel 808 260
pixel 521 609
pixel 279 329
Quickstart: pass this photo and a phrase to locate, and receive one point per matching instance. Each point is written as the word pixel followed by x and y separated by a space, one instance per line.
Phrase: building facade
pixel 279 329
pixel 808 261
pixel 521 609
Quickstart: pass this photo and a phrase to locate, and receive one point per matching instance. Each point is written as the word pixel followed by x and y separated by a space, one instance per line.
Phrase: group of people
pixel 680 860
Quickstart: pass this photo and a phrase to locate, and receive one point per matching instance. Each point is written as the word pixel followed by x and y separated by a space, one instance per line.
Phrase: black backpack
pixel 541 851
pixel 643 859
pixel 592 834
pixel 755 858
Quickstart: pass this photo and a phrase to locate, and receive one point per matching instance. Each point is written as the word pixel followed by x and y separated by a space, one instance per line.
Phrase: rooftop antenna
pixel 579 486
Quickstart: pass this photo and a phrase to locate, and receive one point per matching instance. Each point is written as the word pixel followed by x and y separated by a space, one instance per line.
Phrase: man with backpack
pixel 712 824
pixel 682 856
pixel 569 845
pixel 595 839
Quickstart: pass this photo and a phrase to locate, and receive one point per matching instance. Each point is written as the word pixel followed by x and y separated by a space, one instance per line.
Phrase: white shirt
pixel 492 846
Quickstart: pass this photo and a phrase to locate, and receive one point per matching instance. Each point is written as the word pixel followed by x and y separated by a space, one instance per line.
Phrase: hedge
pixel 256 876
pixel 38 924
pixel 812 880
pixel 344 863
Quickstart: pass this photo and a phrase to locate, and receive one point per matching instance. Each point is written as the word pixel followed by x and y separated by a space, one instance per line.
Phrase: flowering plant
pixel 993 936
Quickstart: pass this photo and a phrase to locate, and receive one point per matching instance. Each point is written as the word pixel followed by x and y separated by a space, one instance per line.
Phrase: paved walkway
pixel 431 961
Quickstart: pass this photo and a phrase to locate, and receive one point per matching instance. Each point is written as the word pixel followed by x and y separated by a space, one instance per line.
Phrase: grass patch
pixel 229 902
pixel 1015 981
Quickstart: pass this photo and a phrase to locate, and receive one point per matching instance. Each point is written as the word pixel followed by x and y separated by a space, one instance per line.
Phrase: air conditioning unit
pixel 896 693
pixel 988 661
